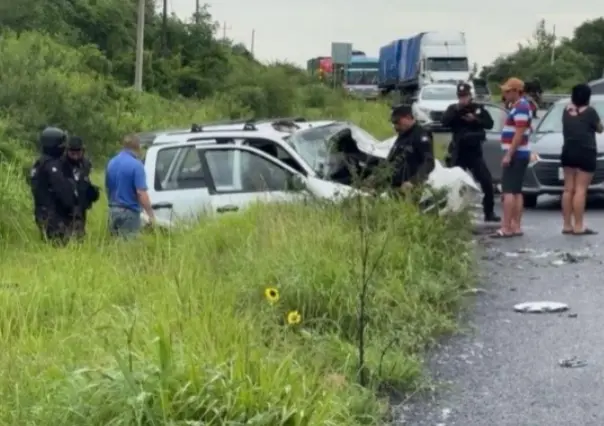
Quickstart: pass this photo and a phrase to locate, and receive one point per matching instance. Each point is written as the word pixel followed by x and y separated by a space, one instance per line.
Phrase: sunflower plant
pixel 292 317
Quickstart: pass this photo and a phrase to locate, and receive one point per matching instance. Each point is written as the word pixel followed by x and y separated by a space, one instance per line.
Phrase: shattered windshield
pixel 312 144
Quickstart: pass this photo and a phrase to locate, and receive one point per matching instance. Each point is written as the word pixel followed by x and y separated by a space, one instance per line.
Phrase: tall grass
pixel 177 329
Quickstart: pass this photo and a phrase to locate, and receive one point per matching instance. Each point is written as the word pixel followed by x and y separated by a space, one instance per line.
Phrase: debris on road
pixel 543 307
pixel 572 362
pixel 566 258
pixel 531 255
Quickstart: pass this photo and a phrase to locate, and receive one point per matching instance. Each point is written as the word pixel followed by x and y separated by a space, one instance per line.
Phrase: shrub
pixel 178 329
pixel 46 82
pixel 175 329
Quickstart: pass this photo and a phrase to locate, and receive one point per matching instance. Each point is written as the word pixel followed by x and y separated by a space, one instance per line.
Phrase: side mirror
pixel 295 183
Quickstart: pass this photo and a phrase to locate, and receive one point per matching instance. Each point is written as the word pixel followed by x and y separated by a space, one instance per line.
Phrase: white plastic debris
pixel 543 307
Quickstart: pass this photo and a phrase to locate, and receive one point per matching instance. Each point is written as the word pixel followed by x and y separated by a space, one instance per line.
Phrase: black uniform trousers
pixel 475 164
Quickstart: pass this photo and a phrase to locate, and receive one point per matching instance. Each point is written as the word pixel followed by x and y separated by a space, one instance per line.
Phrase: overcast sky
pixel 299 30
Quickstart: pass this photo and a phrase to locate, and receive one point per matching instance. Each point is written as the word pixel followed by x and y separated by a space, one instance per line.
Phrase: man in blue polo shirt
pixel 126 185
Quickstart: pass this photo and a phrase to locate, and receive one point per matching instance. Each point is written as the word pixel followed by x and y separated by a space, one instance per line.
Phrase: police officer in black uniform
pixel 468 121
pixel 53 195
pixel 77 168
pixel 412 155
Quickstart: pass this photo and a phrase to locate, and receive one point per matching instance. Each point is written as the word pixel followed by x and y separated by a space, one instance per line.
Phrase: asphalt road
pixel 503 370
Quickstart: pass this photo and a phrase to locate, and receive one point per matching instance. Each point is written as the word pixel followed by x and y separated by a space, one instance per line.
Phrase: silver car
pixel 544 176
pixel 491 148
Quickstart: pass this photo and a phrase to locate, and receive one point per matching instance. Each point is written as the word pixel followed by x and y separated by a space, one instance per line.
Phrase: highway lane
pixel 503 370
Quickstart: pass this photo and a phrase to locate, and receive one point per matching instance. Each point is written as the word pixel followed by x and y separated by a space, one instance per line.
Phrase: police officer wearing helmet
pixel 77 168
pixel 468 121
pixel 53 195
pixel 412 155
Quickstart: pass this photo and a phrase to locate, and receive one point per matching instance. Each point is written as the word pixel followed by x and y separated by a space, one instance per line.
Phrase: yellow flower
pixel 272 295
pixel 294 317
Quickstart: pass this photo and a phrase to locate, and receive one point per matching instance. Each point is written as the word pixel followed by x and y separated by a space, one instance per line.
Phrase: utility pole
pixel 140 46
pixel 197 10
pixel 253 42
pixel 165 27
pixel 553 58
pixel 224 30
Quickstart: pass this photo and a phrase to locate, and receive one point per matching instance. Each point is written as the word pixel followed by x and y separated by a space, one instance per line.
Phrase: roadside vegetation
pixel 558 62
pixel 252 319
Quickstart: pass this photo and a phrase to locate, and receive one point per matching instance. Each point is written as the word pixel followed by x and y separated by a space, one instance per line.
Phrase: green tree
pixel 557 65
pixel 588 38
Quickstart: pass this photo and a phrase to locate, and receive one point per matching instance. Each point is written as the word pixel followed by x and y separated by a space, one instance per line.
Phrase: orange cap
pixel 513 84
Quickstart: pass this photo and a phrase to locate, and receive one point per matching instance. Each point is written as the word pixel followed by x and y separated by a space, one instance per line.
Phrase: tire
pixel 530 201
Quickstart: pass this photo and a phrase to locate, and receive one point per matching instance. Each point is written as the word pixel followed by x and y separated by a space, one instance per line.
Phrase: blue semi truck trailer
pixel 406 65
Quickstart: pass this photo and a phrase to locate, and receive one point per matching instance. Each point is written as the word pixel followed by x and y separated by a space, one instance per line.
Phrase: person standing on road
pixel 516 157
pixel 53 195
pixel 412 154
pixel 468 121
pixel 580 122
pixel 126 185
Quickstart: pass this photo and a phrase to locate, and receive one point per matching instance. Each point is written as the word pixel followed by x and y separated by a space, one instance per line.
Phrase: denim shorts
pixel 124 222
pixel 512 176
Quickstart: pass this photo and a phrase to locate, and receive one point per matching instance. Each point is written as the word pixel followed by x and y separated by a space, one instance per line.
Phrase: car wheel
pixel 530 201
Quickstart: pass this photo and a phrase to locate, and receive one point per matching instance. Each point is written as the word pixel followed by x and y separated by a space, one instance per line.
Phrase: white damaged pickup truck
pixel 218 171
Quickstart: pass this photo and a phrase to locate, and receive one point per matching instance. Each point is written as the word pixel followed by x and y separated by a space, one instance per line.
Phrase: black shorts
pixel 582 159
pixel 512 176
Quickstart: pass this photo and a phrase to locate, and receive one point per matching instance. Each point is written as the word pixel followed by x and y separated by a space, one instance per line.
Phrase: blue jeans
pixel 124 222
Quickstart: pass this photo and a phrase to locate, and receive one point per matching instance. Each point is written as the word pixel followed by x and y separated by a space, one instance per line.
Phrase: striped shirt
pixel 519 116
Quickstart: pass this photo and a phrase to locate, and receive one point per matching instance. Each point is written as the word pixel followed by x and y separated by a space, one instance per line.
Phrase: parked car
pixel 431 102
pixel 544 176
pixel 597 86
pixel 218 171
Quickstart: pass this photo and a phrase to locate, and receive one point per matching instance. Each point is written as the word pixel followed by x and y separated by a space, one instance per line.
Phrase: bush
pixel 177 330
pixel 46 82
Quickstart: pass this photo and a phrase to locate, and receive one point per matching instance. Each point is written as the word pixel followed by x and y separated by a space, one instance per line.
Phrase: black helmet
pixel 75 142
pixel 52 141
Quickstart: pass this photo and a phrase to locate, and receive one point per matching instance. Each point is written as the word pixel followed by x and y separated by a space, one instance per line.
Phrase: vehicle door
pixel 491 149
pixel 281 151
pixel 239 176
pixel 177 184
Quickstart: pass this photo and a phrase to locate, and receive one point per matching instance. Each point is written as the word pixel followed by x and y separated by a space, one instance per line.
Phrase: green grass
pixel 175 329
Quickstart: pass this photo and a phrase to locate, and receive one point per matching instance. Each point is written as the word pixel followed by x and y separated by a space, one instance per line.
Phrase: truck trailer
pixel 408 64
pixel 321 65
